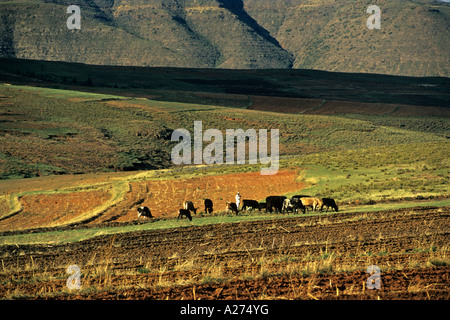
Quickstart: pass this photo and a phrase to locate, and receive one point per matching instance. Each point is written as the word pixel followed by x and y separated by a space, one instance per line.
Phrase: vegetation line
pixel 14 205
pixel 118 192
pixel 67 236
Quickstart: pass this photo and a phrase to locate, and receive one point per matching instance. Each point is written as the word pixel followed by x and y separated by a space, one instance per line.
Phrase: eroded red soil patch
pixel 165 197
pixel 51 210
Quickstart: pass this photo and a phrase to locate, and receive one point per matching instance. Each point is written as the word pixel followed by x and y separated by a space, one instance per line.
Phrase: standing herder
pixel 238 200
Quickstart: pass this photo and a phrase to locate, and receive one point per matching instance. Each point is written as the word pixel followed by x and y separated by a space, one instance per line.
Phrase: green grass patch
pixel 67 236
pixel 394 205
pixel 377 173
pixel 65 94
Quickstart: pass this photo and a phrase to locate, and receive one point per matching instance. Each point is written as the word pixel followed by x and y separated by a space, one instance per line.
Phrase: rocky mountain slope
pixel 236 34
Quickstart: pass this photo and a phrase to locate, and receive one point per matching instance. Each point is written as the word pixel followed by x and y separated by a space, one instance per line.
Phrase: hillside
pixel 64 118
pixel 234 34
pixel 332 35
pixel 51 131
pixel 234 88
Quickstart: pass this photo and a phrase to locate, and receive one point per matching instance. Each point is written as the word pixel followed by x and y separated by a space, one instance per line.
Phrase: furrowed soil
pixel 117 202
pixel 323 256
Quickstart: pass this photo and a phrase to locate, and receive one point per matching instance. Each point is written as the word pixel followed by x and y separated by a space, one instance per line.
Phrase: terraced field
pixel 116 201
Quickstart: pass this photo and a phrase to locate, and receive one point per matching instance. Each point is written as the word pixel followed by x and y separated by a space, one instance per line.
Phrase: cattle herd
pixel 272 204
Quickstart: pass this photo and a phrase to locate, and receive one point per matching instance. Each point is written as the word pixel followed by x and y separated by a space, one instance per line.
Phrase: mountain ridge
pixel 234 34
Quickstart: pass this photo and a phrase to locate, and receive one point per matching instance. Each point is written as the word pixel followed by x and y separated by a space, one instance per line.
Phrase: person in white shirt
pixel 238 200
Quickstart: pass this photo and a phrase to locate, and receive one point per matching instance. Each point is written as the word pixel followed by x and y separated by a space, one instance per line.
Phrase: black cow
pixel 251 204
pixel 208 206
pixel 144 212
pixel 262 205
pixel 328 202
pixel 295 200
pixel 231 206
pixel 184 212
pixel 297 197
pixel 188 205
pixel 274 202
pixel 297 204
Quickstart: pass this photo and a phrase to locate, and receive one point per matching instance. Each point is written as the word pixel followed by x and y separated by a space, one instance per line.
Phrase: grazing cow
pixel 287 206
pixel 231 206
pixel 144 212
pixel 312 202
pixel 188 205
pixel 251 204
pixel 328 202
pixel 208 206
pixel 262 205
pixel 184 212
pixel 274 202
pixel 297 204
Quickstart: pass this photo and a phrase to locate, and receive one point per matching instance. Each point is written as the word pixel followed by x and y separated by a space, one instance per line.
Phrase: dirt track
pixel 300 257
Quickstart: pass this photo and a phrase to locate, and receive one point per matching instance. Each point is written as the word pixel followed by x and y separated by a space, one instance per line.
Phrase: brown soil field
pixel 163 197
pixel 52 210
pixel 323 256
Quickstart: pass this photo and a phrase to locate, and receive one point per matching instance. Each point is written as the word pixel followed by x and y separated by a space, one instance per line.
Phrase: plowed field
pixel 322 256
pixel 117 202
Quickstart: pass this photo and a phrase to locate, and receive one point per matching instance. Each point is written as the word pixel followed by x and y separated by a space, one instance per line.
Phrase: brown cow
pixel 312 202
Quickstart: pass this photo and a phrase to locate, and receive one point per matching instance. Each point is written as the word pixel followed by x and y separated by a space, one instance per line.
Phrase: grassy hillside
pixel 378 174
pixel 366 179
pixel 86 118
pixel 236 34
pixel 52 131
